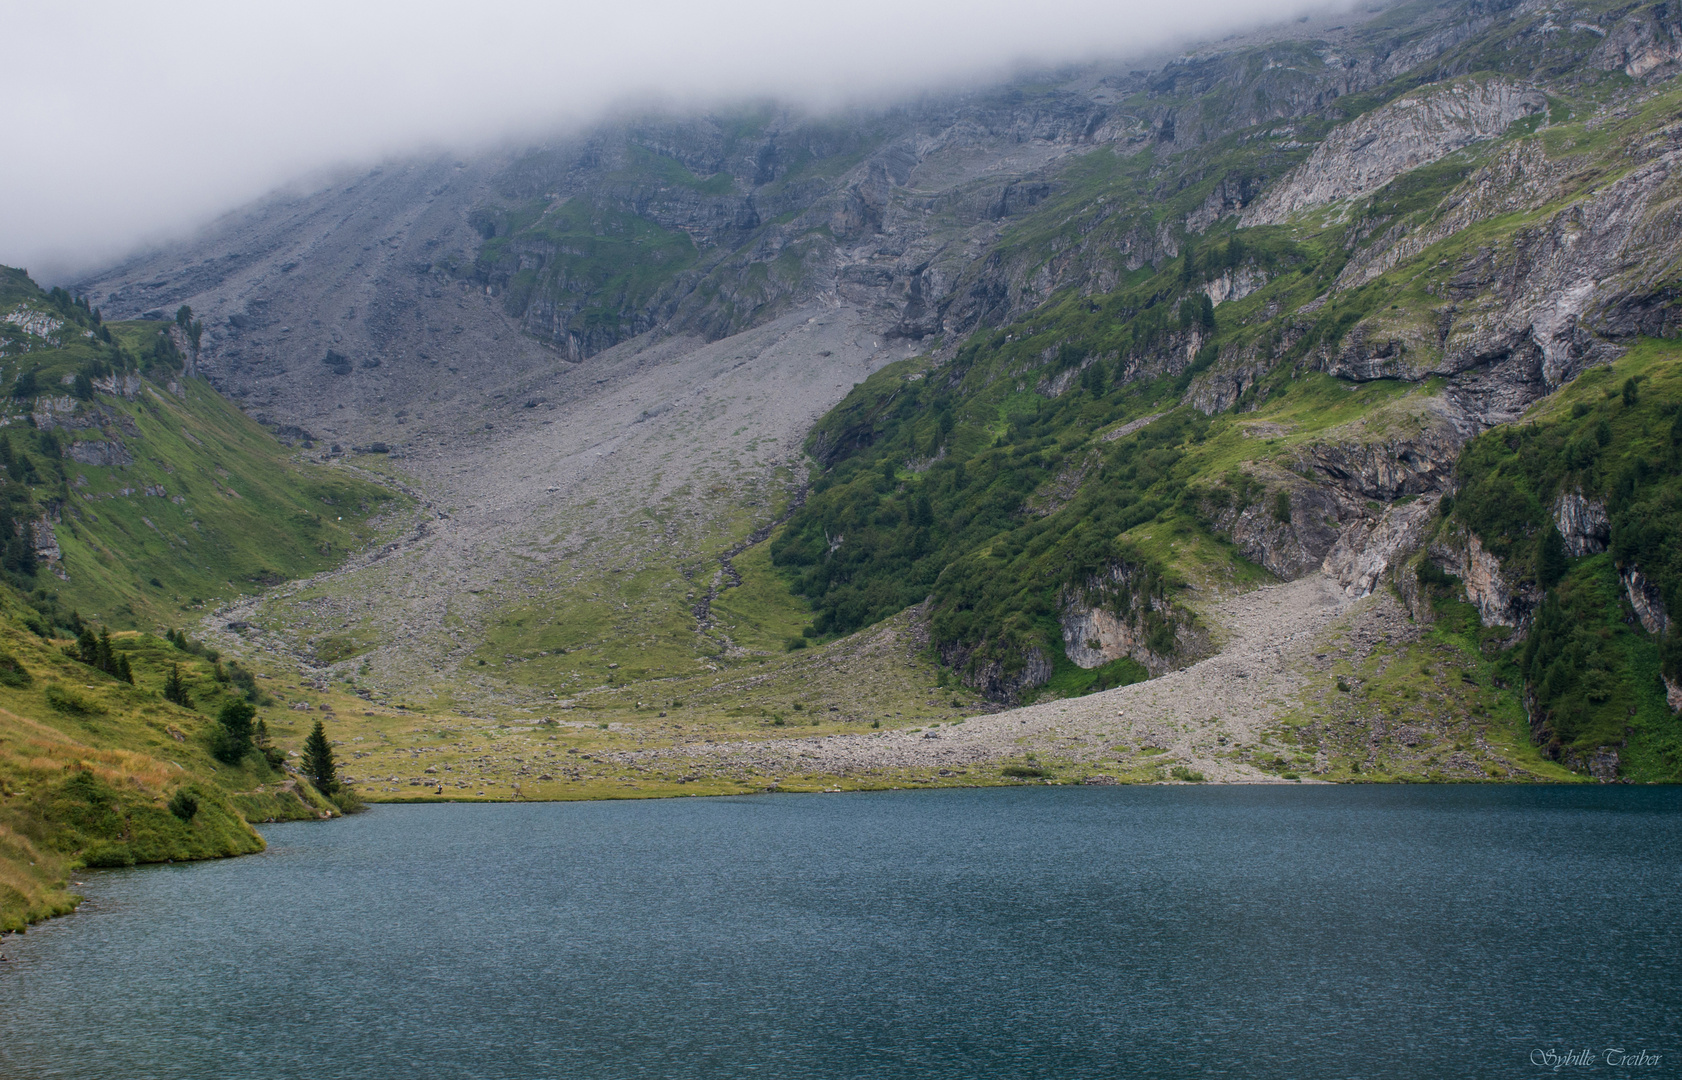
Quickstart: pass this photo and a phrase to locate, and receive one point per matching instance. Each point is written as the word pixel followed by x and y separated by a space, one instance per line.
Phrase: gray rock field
pixel 1197 717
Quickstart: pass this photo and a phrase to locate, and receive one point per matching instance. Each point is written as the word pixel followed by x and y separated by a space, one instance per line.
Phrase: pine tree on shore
pixel 318 761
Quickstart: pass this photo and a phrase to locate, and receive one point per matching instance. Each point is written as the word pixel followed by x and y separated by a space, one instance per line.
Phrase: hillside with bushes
pixel 134 499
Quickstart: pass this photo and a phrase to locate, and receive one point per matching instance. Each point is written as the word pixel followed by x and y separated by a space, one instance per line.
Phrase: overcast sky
pixel 130 121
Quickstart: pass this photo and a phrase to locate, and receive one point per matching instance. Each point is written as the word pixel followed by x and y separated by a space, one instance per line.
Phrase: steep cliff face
pixel 1117 614
pixel 1487 588
pixel 1291 532
pixel 1646 600
pixel 1370 550
pixel 1582 524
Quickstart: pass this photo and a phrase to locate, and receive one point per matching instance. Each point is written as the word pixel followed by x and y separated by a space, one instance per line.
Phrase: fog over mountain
pixel 139 122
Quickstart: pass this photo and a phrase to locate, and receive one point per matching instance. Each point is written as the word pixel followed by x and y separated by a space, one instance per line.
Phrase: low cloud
pixel 133 121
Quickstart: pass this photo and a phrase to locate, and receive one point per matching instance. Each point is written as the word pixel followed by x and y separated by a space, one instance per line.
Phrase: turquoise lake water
pixel 1051 932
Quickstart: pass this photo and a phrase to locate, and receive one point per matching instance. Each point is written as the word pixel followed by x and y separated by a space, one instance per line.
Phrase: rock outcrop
pixel 1461 553
pixel 1645 599
pixel 1368 549
pixel 996 680
pixel 1367 153
pixel 1289 545
pixel 1646 43
pixel 1583 523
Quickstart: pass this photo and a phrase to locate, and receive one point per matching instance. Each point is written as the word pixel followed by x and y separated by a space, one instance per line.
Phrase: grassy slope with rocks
pixel 92 766
pixel 986 476
pixel 1001 473
pixel 163 496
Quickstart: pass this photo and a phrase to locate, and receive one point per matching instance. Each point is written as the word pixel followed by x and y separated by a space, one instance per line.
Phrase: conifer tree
pixel 234 737
pixel 104 659
pixel 175 689
pixel 123 671
pixel 87 647
pixel 318 761
pixel 1550 557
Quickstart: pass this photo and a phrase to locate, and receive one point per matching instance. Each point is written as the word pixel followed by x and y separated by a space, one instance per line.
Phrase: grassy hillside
pixel 98 771
pixel 133 496
pixel 161 495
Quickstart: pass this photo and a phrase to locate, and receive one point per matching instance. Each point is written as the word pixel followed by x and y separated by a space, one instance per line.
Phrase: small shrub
pixel 1282 507
pixel 108 855
pixel 13 673
pixel 1342 687
pixel 1180 772
pixel 347 800
pixel 68 701
pixel 1022 771
pixel 1291 776
pixel 794 643
pixel 876 723
pixel 184 805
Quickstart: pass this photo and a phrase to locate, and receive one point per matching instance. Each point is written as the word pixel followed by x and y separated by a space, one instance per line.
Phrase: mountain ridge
pixel 880 422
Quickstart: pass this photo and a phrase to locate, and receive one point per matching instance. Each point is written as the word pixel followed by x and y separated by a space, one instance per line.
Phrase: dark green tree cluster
pixel 1621 444
pixel 1578 667
pixel 874 536
pixel 237 675
pixel 17 546
pixel 234 735
pixel 96 651
pixel 19 466
pixel 27 384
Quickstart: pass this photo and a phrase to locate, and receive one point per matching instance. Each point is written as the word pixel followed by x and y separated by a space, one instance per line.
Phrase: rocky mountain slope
pixel 1124 342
